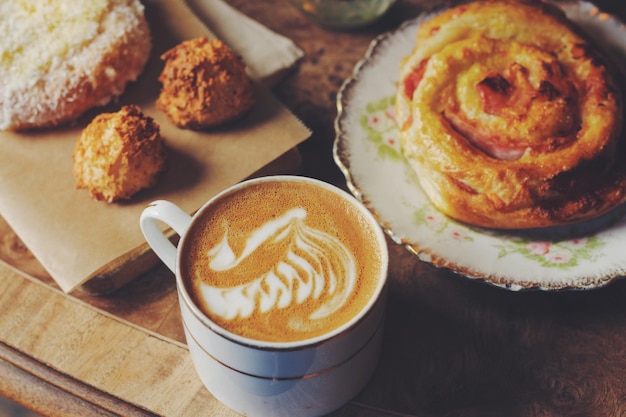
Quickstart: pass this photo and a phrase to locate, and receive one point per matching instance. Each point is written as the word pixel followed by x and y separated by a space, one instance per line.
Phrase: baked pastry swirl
pixel 510 118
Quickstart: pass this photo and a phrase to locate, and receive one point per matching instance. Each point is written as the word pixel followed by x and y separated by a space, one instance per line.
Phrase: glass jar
pixel 343 14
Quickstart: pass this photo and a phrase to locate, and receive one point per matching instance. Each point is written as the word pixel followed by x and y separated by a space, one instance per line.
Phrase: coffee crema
pixel 281 261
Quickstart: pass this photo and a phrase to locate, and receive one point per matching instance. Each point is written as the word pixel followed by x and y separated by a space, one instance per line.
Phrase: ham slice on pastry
pixel 510 118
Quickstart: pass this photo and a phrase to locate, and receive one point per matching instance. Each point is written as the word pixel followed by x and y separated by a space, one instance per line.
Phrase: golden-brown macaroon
pixel 62 58
pixel 119 154
pixel 204 84
pixel 510 118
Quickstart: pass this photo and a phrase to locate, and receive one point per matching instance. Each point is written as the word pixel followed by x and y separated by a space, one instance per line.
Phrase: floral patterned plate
pixel 367 151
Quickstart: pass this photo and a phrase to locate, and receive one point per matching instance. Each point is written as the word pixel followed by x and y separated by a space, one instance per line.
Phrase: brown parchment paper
pixel 77 238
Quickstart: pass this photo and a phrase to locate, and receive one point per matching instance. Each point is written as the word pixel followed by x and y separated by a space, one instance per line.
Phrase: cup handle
pixel 171 215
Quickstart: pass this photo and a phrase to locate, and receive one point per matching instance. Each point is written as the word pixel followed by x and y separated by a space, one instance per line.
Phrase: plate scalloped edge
pixel 364 146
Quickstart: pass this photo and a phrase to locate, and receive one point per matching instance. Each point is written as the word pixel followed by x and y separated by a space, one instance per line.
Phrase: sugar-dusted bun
pixel 61 58
pixel 118 154
pixel 511 119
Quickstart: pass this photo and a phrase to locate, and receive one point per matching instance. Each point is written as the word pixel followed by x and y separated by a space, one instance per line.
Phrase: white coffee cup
pixel 262 378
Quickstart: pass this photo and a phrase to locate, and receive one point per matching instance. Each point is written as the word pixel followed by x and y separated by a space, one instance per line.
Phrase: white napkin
pixel 267 54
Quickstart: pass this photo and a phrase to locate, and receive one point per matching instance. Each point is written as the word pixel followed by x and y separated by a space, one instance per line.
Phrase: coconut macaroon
pixel 204 84
pixel 119 154
pixel 62 58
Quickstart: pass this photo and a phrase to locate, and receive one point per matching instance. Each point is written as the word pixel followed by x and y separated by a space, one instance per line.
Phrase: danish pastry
pixel 510 118
pixel 62 58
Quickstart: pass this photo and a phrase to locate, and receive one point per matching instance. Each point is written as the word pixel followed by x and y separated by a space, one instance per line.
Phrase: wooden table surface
pixel 452 346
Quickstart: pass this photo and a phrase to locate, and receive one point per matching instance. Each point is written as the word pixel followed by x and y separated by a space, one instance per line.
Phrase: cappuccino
pixel 281 261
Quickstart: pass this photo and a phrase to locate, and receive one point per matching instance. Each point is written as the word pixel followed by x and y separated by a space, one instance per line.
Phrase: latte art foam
pixel 281 261
pixel 313 264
